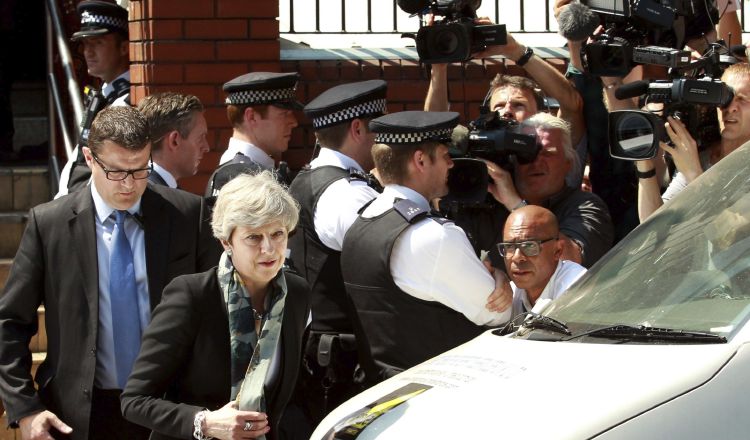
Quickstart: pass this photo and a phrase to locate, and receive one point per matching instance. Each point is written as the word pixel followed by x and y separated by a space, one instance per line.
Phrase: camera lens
pixel 445 42
pixel 634 133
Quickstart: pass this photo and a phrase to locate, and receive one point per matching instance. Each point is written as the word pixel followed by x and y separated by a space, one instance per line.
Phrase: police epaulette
pixel 409 210
pixel 369 179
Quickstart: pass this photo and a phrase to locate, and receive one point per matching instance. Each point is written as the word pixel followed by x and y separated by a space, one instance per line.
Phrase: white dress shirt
pixel 65 173
pixel 106 371
pixel 166 175
pixel 254 153
pixel 339 204
pixel 435 262
pixel 566 273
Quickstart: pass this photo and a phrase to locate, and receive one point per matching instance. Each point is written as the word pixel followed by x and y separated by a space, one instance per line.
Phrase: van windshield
pixel 686 268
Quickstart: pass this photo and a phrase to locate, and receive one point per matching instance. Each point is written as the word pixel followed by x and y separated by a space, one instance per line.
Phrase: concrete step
pixel 23 187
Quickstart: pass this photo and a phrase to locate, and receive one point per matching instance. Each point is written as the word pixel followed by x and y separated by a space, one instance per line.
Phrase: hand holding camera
pixel 684 149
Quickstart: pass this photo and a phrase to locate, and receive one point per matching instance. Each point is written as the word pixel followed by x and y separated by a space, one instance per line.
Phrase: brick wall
pixel 195 47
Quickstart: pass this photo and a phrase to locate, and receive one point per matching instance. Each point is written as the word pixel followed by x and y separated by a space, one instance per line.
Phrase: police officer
pixel 260 107
pixel 104 37
pixel 416 284
pixel 331 191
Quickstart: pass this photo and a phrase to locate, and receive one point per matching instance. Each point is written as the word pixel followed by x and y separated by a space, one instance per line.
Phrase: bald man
pixel 532 248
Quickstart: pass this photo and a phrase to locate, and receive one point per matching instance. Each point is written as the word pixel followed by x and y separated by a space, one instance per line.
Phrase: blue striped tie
pixel 126 324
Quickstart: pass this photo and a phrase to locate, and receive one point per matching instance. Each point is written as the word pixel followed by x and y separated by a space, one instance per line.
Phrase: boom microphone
pixel 577 21
pixel 413 6
pixel 631 90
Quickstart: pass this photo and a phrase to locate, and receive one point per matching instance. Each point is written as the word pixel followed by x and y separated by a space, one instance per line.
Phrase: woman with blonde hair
pixel 221 356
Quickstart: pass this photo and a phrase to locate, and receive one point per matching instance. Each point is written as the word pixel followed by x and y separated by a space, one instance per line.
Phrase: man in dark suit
pixel 99 278
pixel 178 129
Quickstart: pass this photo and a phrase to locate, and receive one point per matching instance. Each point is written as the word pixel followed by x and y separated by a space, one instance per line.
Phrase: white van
pixel 652 343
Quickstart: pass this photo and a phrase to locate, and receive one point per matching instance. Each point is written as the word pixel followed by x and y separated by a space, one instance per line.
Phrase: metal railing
pixel 345 16
pixel 56 39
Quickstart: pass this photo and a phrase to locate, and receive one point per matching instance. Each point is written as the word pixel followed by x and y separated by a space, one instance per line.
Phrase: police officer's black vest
pixel 398 331
pixel 320 265
pixel 239 164
pixel 95 102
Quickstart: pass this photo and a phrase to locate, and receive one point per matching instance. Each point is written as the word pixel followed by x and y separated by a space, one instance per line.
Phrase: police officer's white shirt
pixel 566 273
pixel 65 173
pixel 435 262
pixel 340 203
pixel 166 175
pixel 254 153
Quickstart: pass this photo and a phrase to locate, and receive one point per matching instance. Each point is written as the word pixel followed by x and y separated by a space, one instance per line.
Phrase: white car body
pixel 683 268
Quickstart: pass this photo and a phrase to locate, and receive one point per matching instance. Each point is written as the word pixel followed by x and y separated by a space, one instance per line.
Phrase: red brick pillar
pixel 195 47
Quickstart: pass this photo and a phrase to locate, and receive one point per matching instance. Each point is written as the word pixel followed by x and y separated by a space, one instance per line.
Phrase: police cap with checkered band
pixel 345 102
pixel 264 88
pixel 414 127
pixel 99 18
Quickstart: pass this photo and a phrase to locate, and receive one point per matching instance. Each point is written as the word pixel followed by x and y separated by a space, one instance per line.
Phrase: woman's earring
pixel 229 252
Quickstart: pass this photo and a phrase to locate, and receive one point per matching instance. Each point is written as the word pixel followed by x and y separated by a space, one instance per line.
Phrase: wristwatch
pixel 525 57
pixel 520 204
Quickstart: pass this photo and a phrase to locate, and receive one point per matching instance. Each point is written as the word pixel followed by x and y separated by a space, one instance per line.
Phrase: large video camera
pixel 635 134
pixel 489 137
pixel 456 37
pixel 645 32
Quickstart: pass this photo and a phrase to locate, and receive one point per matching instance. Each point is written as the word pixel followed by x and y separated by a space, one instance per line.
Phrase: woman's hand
pixel 685 150
pixel 230 423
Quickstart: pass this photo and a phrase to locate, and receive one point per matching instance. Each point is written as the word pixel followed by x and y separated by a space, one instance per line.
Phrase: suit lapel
pixel 82 226
pixel 156 226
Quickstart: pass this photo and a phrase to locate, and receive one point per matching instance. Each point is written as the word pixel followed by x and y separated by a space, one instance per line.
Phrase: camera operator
pixel 585 225
pixel 734 125
pixel 516 96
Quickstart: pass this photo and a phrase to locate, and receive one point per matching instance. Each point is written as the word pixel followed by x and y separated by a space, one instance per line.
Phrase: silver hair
pixel 545 121
pixel 253 201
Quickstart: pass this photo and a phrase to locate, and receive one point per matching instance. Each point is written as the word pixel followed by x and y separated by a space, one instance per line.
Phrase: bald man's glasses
pixel 530 248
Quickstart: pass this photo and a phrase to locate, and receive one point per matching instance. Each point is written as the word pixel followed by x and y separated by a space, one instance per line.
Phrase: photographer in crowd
pixel 518 98
pixel 690 163
pixel 585 225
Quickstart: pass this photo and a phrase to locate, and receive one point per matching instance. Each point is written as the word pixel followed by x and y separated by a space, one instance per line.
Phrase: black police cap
pixel 414 127
pixel 263 88
pixel 99 18
pixel 346 102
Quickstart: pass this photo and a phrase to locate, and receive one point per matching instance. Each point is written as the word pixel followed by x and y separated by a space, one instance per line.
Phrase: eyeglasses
pixel 117 175
pixel 529 248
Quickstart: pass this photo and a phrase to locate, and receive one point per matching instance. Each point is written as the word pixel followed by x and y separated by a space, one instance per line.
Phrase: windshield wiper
pixel 646 333
pixel 537 321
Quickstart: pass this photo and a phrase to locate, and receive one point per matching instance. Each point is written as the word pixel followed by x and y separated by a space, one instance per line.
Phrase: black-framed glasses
pixel 530 248
pixel 117 175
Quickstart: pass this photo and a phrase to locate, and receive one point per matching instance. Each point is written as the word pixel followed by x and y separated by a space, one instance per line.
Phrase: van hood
pixel 499 387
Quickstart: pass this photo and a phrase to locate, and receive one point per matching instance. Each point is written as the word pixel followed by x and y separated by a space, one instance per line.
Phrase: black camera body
pixel 635 134
pixel 489 137
pixel 636 29
pixel 456 37
pixel 499 140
